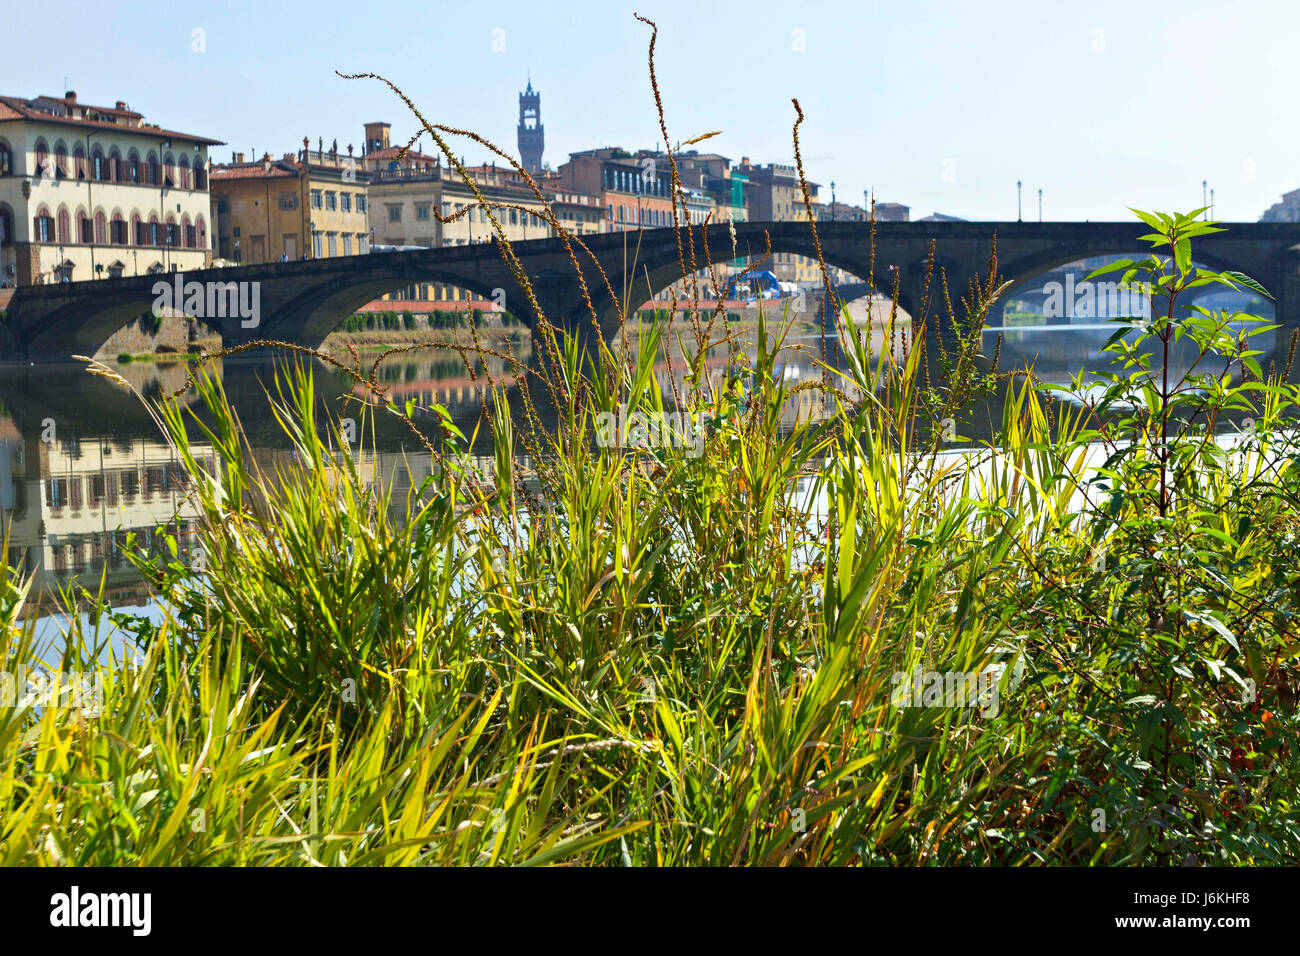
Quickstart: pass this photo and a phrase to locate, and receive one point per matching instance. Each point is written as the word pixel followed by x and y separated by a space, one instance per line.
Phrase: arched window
pixel 170 236
pixel 85 228
pixel 6 159
pixel 117 230
pixel 137 230
pixel 187 233
pixel 133 167
pixel 42 152
pixel 200 233
pixel 115 171
pixel 185 172
pixel 153 169
pixel 43 225
pixel 101 228
pixel 79 161
pixel 154 232
pixel 6 225
pixel 169 170
pixel 65 222
pixel 200 174
pixel 98 165
pixel 61 161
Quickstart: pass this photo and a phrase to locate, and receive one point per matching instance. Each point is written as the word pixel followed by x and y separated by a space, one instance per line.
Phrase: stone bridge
pixel 303 301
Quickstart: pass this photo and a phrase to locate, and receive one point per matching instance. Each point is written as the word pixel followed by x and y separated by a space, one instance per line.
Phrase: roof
pixel 396 152
pixel 278 170
pixel 17 108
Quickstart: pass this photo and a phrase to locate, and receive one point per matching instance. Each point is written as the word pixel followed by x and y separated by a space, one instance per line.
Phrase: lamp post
pixel 1204 205
pixel 1211 202
pixel 1040 205
pixel 832 200
pixel 1019 217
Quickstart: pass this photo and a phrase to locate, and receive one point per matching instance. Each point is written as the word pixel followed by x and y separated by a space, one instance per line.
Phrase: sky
pixel 942 106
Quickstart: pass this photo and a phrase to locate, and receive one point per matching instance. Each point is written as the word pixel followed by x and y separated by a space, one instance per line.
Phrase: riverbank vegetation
pixel 827 643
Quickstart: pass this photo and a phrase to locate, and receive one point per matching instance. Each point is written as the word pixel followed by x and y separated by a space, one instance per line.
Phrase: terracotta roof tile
pixel 19 109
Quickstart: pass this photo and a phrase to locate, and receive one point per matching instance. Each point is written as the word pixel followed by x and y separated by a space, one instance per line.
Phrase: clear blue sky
pixel 940 105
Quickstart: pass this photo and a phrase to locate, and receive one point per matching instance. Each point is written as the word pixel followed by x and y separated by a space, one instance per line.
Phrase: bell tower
pixel 530 129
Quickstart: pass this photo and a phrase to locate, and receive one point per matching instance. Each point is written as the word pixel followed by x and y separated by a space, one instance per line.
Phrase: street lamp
pixel 1040 205
pixel 1204 205
pixel 1019 217
pixel 832 200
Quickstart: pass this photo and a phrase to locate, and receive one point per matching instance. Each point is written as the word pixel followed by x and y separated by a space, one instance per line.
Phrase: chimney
pixel 70 96
pixel 121 105
pixel 239 157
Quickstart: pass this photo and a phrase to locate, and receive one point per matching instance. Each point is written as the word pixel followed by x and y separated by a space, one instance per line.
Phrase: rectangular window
pixel 288 200
pixel 394 213
pixel 331 201
pixel 56 492
pixel 317 201
pixel 316 244
pixel 345 202
pixel 333 237
pixel 347 245
pixel 422 213
pixel 361 203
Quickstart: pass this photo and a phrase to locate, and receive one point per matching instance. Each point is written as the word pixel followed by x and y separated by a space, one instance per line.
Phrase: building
pixel 309 205
pixel 579 213
pixel 774 193
pixel 418 201
pixel 713 175
pixel 840 212
pixel 378 154
pixel 95 192
pixel 1288 210
pixel 532 138
pixel 892 212
pixel 635 193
